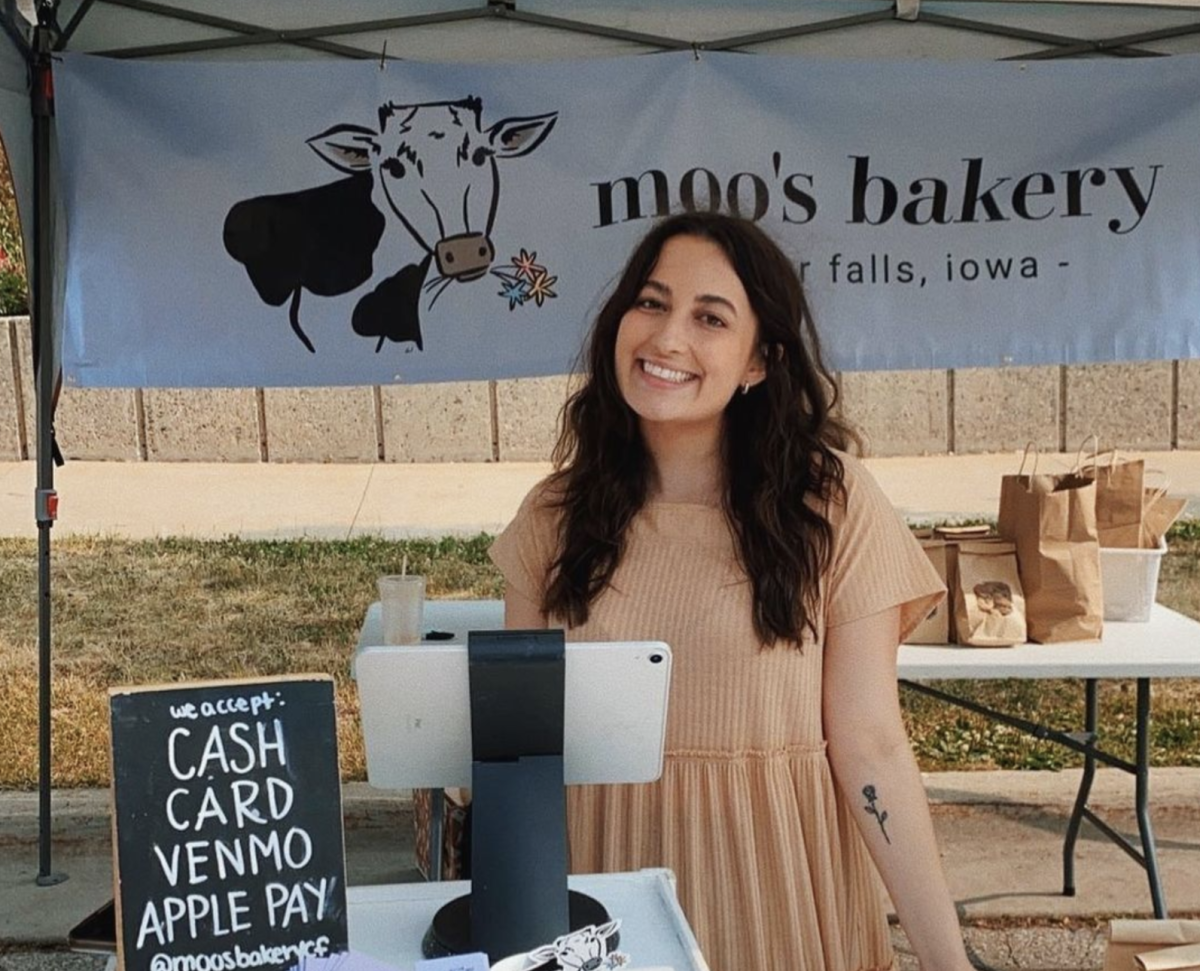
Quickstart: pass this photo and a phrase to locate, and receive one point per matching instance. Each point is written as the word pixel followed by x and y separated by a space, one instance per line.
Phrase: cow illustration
pixel 429 170
pixel 591 948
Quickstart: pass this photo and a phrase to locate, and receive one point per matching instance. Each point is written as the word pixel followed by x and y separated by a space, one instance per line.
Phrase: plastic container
pixel 1130 581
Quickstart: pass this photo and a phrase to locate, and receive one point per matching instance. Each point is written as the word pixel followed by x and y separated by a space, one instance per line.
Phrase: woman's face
pixel 689 341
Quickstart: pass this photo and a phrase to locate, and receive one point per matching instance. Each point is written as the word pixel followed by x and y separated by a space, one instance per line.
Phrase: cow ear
pixel 540 956
pixel 346 147
pixel 606 930
pixel 513 137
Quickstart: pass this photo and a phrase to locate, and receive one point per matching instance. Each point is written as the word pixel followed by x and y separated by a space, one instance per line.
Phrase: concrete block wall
pixel 1146 406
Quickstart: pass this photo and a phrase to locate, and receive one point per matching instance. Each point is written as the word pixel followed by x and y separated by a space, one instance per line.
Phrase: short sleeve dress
pixel 772 872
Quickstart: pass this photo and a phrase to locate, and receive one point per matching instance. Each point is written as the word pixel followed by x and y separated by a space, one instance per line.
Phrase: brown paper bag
pixel 1119 498
pixel 1184 957
pixel 1052 521
pixel 935 629
pixel 1159 512
pixel 1164 942
pixel 989 608
pixel 953 535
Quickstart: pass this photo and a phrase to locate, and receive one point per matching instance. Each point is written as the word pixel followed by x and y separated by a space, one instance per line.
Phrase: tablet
pixel 416 713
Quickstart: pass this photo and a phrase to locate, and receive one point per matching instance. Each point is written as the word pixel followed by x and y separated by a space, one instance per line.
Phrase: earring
pixel 746 388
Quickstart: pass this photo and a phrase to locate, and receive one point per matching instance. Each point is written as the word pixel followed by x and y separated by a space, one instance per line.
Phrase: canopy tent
pixel 475 31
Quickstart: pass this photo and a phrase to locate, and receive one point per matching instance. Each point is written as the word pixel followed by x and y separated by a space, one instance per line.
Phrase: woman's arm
pixel 521 613
pixel 878 776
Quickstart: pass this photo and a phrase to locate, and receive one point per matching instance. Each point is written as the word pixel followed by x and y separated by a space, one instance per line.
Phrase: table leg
pixel 1142 798
pixel 1085 787
pixel 437 809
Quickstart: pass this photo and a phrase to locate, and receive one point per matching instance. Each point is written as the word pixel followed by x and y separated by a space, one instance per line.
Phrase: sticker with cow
pixel 591 948
pixel 429 171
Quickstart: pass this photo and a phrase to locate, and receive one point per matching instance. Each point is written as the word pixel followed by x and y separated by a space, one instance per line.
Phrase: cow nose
pixel 464 257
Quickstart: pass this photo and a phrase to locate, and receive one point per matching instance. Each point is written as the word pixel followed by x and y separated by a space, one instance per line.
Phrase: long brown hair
pixel 777 444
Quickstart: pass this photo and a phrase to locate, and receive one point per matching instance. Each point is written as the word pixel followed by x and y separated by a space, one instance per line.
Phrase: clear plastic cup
pixel 402 601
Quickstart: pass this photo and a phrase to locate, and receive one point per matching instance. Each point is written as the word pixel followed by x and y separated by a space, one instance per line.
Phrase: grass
pixel 138 612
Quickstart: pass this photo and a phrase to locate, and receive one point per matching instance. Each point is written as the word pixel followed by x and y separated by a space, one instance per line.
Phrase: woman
pixel 702 497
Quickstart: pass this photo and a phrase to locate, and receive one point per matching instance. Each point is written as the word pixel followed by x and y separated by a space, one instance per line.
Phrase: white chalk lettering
pixel 210 808
pixel 276 746
pixel 196 858
pixel 175 821
pixel 237 749
pixel 294 903
pixel 229 856
pixel 170 869
pixel 177 733
pixel 237 735
pixel 245 792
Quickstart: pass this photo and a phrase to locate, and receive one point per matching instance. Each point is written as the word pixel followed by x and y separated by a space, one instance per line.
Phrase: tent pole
pixel 45 503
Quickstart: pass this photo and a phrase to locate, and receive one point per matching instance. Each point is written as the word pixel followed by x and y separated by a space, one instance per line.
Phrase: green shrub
pixel 14 292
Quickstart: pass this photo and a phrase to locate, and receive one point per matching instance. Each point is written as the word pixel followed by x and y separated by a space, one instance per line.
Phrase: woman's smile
pixel 667 374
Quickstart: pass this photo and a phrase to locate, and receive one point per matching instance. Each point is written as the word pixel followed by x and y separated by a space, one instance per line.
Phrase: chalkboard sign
pixel 227 825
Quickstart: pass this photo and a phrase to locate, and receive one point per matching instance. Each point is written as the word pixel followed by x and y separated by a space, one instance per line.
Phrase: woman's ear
pixel 756 371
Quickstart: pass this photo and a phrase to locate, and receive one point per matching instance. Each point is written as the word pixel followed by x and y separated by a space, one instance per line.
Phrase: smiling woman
pixel 703 496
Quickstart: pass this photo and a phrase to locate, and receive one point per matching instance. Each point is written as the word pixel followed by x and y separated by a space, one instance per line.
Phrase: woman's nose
pixel 671 333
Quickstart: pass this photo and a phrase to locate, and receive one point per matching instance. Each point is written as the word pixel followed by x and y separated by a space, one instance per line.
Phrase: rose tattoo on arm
pixel 880 817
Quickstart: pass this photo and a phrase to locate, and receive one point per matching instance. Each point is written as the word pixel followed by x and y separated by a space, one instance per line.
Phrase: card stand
pixel 519 897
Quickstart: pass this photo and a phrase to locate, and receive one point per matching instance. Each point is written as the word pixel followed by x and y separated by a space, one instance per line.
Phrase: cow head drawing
pixel 429 171
pixel 591 948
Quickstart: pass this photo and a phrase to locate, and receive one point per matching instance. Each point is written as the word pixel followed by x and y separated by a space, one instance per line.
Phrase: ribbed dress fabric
pixel 773 874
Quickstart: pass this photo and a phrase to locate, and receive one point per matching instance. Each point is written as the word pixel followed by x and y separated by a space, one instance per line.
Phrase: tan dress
pixel 773 875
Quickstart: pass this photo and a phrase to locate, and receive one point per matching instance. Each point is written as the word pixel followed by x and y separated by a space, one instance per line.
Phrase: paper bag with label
pixel 989 607
pixel 1152 945
pixel 935 629
pixel 953 535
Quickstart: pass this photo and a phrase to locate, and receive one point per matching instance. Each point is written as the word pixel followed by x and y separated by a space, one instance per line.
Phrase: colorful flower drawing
pixel 540 290
pixel 524 280
pixel 526 265
pixel 514 291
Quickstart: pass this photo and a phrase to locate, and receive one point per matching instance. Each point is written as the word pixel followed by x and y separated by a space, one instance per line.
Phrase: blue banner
pixel 334 223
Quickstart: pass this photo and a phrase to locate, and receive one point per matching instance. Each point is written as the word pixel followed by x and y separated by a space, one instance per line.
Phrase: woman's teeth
pixel 666 374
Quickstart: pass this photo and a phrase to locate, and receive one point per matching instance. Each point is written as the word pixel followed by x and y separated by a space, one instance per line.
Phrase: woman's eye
pixel 712 320
pixel 649 303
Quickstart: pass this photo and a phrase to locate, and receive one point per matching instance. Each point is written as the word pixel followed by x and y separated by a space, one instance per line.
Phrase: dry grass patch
pixel 173 610
pixel 137 612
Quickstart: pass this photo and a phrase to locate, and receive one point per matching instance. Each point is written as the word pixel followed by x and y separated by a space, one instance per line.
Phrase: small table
pixel 1167 646
pixel 388 922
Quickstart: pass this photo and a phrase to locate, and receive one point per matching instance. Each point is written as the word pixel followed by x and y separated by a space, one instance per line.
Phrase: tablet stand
pixel 519 897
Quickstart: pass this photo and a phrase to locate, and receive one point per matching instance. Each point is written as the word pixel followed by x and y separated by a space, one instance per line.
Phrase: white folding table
pixel 1167 646
pixel 388 922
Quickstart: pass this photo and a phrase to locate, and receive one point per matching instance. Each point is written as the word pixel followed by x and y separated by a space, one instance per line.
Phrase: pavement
pixel 1000 832
pixel 270 501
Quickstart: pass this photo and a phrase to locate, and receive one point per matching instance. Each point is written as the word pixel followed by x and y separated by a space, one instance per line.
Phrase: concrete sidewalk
pixel 260 501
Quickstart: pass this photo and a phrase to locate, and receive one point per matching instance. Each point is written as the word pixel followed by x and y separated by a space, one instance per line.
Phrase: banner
pixel 250 224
